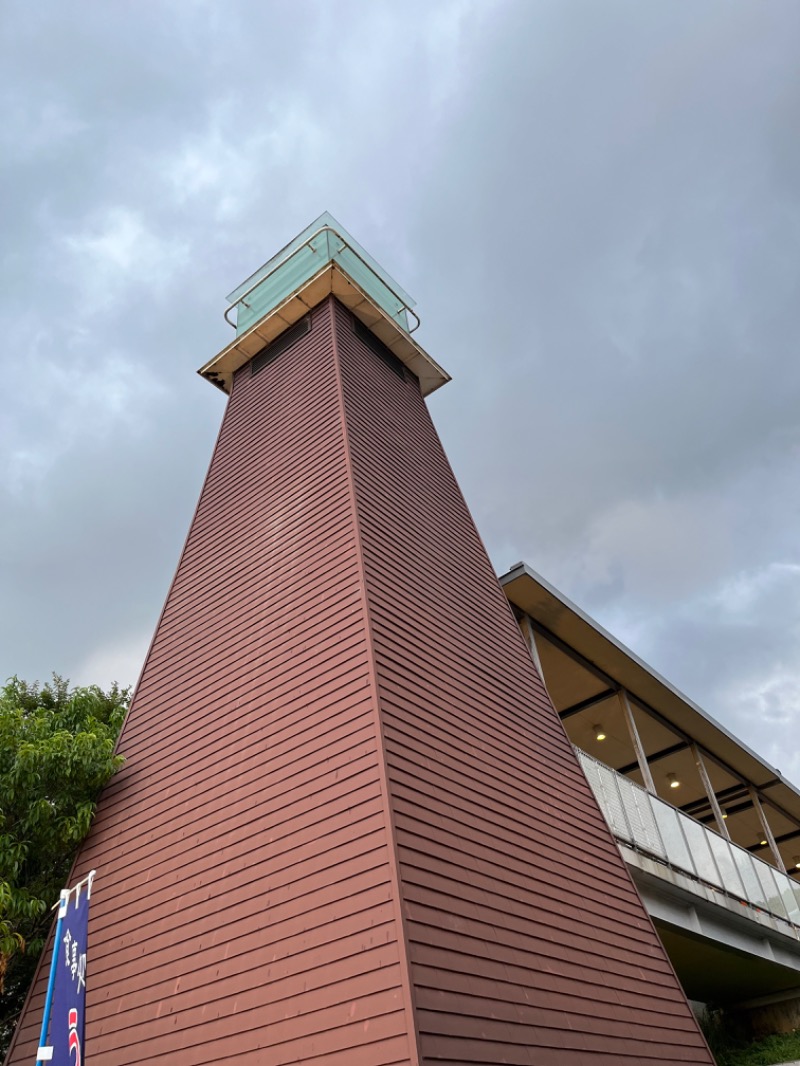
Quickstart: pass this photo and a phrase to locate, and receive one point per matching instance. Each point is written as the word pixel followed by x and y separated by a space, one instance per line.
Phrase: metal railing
pixel 658 829
pixel 308 243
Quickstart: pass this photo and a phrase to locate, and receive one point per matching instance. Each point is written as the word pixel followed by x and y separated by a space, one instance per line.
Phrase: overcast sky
pixel 596 205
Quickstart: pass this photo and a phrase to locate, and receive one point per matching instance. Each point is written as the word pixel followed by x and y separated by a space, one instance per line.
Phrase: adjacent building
pixel 710 832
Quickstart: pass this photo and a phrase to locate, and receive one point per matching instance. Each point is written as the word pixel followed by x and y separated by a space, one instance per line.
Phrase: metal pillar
pixel 712 798
pixel 773 847
pixel 530 640
pixel 633 732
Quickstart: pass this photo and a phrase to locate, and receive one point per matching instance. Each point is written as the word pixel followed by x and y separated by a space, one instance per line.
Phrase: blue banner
pixel 68 980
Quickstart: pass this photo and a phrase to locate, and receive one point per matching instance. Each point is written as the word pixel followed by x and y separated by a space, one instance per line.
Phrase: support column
pixel 530 640
pixel 773 847
pixel 712 798
pixel 638 747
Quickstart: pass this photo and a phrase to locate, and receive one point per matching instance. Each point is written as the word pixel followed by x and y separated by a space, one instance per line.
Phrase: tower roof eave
pixel 331 279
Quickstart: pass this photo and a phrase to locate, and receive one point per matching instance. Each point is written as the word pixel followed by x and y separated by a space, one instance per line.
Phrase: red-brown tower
pixel 350 830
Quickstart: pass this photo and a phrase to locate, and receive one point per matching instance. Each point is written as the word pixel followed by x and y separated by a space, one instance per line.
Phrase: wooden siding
pixel 244 908
pixel 528 942
pixel 350 830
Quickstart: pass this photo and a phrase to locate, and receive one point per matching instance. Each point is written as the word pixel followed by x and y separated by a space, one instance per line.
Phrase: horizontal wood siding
pixel 243 909
pixel 528 942
pixel 350 830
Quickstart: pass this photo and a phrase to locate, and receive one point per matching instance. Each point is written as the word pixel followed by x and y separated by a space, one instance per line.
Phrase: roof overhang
pixel 529 592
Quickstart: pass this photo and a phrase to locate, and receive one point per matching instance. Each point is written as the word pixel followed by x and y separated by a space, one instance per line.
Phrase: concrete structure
pixel 351 830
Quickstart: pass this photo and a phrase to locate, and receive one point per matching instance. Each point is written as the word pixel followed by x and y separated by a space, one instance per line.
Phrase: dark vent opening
pixel 378 347
pixel 280 344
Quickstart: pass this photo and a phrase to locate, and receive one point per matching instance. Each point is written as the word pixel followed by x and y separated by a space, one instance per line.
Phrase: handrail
pixel 323 229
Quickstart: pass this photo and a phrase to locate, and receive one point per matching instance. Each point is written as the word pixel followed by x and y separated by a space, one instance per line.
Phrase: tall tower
pixel 350 830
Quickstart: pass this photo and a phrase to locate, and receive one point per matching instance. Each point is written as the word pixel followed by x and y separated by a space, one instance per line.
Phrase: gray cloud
pixel 596 207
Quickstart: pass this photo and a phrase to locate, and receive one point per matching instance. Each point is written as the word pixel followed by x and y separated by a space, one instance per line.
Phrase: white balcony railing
pixel 658 829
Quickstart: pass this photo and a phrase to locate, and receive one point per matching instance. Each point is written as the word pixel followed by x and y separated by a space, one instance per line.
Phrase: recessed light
pixel 762 843
pixel 673 781
pixel 599 732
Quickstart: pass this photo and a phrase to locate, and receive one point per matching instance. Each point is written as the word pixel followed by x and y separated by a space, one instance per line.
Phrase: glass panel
pixel 697 839
pixel 721 850
pixel 752 885
pixel 771 896
pixel 636 802
pixel 372 285
pixel 301 259
pixel 304 264
pixel 669 827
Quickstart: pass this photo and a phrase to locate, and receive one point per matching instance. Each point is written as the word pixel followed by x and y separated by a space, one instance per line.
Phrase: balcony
pixel 710 866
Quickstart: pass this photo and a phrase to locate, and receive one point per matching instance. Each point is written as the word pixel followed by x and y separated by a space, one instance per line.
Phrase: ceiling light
pixel 724 814
pixel 796 861
pixel 673 781
pixel 599 732
pixel 762 843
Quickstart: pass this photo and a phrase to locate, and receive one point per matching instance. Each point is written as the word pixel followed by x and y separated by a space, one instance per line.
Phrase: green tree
pixel 56 753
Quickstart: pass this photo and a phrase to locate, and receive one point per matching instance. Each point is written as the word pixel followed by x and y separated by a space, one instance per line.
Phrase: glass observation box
pixel 321 243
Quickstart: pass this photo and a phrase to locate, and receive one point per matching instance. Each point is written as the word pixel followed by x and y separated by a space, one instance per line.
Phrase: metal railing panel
pixel 639 811
pixel 656 827
pixel 670 828
pixel 788 897
pixel 697 838
pixel 722 851
pixel 603 782
pixel 769 890
pixel 745 864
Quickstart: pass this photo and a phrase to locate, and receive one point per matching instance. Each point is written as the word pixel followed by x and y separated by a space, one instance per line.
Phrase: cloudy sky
pixel 596 204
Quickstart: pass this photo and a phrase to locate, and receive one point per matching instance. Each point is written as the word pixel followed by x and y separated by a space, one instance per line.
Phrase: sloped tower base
pixel 350 830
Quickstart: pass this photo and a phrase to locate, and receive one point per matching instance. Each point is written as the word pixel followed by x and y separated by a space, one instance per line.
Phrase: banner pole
pixel 44 1053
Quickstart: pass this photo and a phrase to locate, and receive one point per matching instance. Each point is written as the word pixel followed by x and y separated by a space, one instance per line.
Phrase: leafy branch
pixel 56 753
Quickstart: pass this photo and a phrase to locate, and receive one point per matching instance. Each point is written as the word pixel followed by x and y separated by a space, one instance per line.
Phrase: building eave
pixel 529 592
pixel 331 279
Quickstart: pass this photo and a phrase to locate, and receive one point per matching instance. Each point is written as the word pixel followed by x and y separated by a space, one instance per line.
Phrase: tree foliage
pixel 56 753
